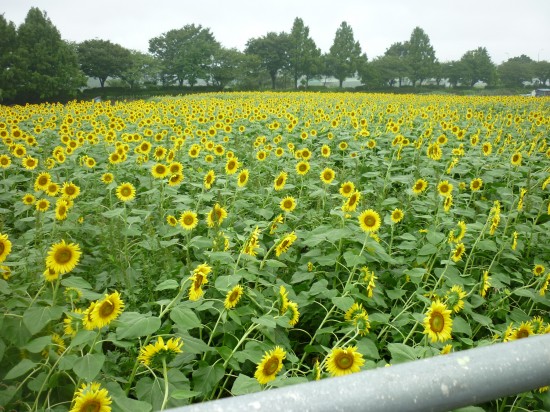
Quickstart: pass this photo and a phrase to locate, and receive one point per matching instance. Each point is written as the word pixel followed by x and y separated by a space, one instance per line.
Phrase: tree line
pixel 37 64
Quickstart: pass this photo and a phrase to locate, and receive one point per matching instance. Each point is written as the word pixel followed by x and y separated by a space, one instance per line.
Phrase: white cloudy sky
pixel 507 28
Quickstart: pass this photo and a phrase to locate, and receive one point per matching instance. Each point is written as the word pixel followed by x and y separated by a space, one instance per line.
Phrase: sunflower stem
pixel 213 331
pixel 239 343
pixel 166 383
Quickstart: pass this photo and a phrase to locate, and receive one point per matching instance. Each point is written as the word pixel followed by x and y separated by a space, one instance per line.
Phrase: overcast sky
pixel 506 28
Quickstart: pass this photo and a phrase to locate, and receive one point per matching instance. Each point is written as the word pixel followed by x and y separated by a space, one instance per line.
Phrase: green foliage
pixel 344 58
pixel 102 59
pixel 272 49
pixel 420 56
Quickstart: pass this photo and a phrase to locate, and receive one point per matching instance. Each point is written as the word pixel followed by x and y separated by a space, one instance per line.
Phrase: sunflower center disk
pixel 63 256
pixel 437 323
pixel 271 366
pixel 106 309
pixel 344 361
pixel 369 221
pixel 91 406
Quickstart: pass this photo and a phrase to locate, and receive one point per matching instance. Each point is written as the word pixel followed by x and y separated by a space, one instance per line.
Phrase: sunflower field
pixel 159 253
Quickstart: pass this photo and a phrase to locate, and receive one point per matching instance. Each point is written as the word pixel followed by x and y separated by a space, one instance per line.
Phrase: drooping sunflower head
pixel 293 312
pixel 280 181
pixel 369 221
pixel 171 220
pixel 516 159
pixel 351 203
pixel 455 298
pixel 458 252
pixel 343 361
pixel 353 311
pixel 175 179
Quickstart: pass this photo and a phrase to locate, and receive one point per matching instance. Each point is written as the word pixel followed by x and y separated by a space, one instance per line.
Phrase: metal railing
pixel 440 383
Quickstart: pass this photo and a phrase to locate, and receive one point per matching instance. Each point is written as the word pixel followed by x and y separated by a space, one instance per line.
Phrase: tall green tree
pixel 303 53
pixel 185 54
pixel 272 49
pixel 143 69
pixel 515 71
pixel 46 67
pixel 102 59
pixel 541 70
pixel 395 61
pixel 226 66
pixel 8 35
pixel 345 57
pixel 420 56
pixel 476 65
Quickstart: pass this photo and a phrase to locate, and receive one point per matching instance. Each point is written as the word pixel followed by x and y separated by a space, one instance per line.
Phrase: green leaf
pixel 461 326
pixel 353 259
pixel 134 324
pixel 88 366
pixel 193 345
pixel 272 263
pixel 20 369
pixel 113 213
pixel 185 318
pixel 245 384
pixel 395 294
pixel 75 282
pixel 36 345
pixel 487 244
pixel 184 394
pixel 36 317
pixel 343 303
pixel 427 249
pixel 225 283
pixel 483 320
pixel 368 348
pixel 415 274
pixel 435 238
pixel 265 320
pixel 83 337
pixel 167 284
pixel 207 376
pixel 401 353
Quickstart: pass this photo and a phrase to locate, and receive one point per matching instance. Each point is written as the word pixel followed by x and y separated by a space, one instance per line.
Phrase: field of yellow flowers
pixel 164 252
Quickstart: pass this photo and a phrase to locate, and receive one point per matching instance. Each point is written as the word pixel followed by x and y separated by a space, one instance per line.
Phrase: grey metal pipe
pixel 439 383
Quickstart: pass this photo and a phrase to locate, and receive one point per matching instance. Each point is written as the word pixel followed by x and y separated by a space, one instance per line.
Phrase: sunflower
pixel 91 397
pixel 72 324
pixel 325 151
pixel 292 308
pixel 487 148
pixel 369 220
pixel 175 179
pixel 233 297
pixel 242 179
pixel 107 178
pixel 5 247
pixel 216 216
pixel 446 349
pixel 397 215
pixel 90 162
pixel 50 274
pixel 302 168
pixel 63 257
pixel 351 203
pixel 126 192
pixel 175 168
pixel 280 181
pixel 355 310
pixel 160 153
pixel 270 365
pixel 285 244
pixel 28 199
pixel 52 189
pixel 327 175
pixel 438 323
pixel 516 159
pixel 171 220
pixel 5 161
pixel 261 155
pixel 107 309
pixel 347 189
pixel 419 186
pixel 198 278
pixel 5 272
pixel 41 182
pixel 455 298
pixel 232 166
pixel 70 190
pixel 209 179
pixel 159 353
pixel 288 204
pixel 61 209
pixel 251 246
pixel 160 171
pixel 458 252
pixel 476 184
pixel 343 361
pixel 523 331
pixel 485 283
pixel 188 220
pixel 445 188
pixel 88 320
pixel 538 270
pixel 30 163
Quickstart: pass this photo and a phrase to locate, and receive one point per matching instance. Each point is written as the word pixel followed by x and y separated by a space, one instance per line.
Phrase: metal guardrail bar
pixel 439 383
